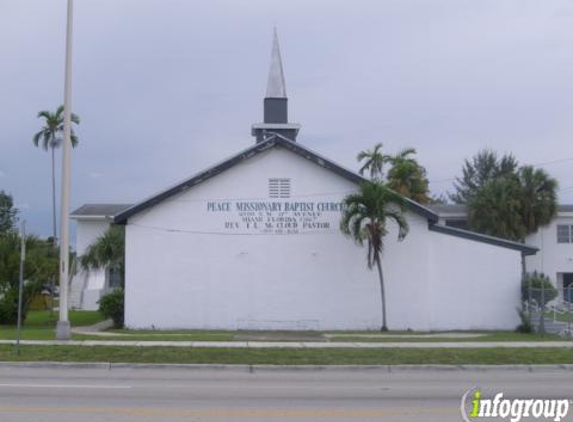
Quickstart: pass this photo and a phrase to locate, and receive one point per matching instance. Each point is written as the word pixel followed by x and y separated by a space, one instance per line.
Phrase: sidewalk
pixel 301 345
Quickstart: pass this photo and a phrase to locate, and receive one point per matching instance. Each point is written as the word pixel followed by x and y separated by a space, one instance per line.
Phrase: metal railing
pixel 551 310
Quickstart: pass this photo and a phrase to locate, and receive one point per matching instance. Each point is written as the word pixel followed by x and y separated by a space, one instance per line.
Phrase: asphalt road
pixel 77 395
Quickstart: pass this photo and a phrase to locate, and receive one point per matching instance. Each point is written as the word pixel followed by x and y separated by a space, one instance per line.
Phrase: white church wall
pixel 405 267
pixel 474 285
pixel 316 279
pixel 190 267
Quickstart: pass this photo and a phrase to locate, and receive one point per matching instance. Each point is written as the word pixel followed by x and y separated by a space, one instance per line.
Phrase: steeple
pixel 276 83
pixel 276 102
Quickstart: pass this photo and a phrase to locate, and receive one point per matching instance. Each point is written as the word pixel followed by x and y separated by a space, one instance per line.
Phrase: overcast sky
pixel 165 88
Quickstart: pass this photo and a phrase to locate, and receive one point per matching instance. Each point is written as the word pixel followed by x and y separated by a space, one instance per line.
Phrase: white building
pixel 554 241
pixel 92 221
pixel 254 243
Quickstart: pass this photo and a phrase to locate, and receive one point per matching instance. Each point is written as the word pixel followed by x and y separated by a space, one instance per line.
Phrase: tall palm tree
pixel 365 219
pixel 407 177
pixel 50 138
pixel 538 197
pixel 374 162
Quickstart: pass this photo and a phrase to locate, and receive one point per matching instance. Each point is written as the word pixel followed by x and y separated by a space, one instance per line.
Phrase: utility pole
pixel 63 330
pixel 21 283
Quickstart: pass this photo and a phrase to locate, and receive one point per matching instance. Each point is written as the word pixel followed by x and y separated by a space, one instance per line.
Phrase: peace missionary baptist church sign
pixel 268 253
pixel 276 217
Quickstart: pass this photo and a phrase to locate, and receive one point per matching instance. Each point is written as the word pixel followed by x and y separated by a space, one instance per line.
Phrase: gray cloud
pixel 167 87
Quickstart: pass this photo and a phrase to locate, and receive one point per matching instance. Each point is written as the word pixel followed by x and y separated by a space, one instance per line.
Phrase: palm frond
pixel 37 137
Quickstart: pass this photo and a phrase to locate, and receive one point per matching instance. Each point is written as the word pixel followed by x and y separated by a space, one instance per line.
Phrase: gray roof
pixel 98 210
pixel 447 209
pixel 484 238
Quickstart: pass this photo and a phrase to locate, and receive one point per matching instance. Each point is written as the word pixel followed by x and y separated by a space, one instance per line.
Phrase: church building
pixel 253 242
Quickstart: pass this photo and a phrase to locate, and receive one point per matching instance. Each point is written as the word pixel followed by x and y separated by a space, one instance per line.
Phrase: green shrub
pixel 111 306
pixel 526 326
pixel 9 303
pixel 538 282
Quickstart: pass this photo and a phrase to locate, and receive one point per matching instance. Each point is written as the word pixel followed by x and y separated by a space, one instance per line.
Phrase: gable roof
pixel 272 142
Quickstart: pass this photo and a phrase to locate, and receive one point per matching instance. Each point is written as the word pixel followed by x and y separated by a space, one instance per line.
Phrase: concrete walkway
pixel 302 345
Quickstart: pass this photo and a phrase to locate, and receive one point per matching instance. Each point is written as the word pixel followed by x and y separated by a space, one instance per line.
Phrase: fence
pixel 550 310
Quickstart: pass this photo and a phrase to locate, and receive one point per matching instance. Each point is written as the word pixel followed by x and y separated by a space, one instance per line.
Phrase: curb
pixel 109 366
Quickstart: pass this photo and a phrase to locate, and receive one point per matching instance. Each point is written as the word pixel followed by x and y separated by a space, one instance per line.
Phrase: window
pixel 279 188
pixel 564 233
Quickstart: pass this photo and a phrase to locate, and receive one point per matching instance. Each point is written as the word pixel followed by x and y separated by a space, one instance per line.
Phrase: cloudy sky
pixel 165 88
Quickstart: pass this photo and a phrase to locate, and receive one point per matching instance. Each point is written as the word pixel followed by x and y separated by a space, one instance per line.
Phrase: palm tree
pixel 50 138
pixel 495 209
pixel 514 206
pixel 538 197
pixel 365 218
pixel 407 177
pixel 108 251
pixel 374 162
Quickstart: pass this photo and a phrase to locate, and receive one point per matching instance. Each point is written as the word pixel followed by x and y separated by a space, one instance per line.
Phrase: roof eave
pixel 466 234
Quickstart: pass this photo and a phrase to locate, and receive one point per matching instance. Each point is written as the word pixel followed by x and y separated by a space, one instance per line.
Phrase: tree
pixel 365 219
pixel 408 177
pixel 50 139
pixel 483 167
pixel 374 162
pixel 495 209
pixel 41 266
pixel 8 213
pixel 538 198
pixel 108 251
pixel 515 205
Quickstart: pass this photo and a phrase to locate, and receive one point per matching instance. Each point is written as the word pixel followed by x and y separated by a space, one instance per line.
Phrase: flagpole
pixel 63 330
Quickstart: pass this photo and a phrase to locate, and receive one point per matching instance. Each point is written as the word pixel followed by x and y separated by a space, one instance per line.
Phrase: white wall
pixel 184 269
pixel 553 257
pixel 474 285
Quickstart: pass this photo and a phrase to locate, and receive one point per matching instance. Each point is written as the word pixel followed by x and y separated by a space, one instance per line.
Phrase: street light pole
pixel 63 330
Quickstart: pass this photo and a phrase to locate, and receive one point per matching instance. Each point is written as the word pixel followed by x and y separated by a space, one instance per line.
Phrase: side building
pixel 87 287
pixel 554 241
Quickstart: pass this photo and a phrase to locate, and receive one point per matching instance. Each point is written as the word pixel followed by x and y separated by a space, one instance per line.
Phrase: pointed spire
pixel 275 121
pixel 276 83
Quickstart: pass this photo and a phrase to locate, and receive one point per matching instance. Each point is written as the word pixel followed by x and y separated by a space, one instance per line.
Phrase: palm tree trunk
pixel 382 294
pixel 54 241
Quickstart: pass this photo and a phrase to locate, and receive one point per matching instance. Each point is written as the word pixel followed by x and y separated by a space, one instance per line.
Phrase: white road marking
pixel 83 386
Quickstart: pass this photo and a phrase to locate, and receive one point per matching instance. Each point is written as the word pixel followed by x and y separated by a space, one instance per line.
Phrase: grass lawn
pixel 40 325
pixel 563 317
pixel 356 336
pixel 495 356
pixel 485 337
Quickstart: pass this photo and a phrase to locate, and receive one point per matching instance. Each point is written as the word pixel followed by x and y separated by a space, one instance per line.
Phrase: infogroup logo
pixel 475 407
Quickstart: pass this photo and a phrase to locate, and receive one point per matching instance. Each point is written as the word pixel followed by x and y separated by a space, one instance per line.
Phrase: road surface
pixel 126 395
